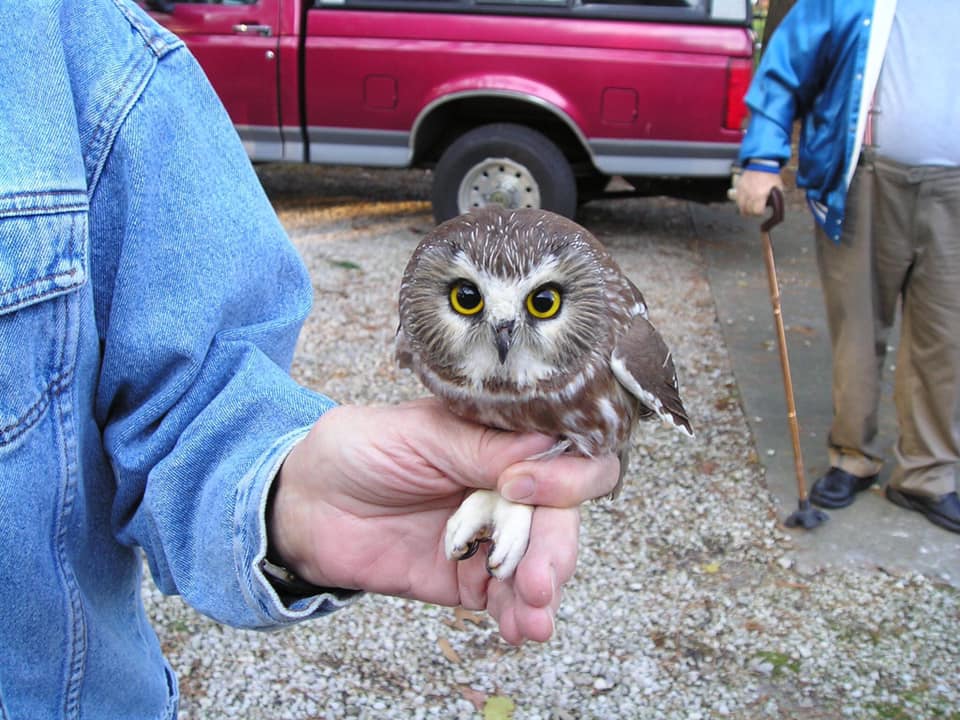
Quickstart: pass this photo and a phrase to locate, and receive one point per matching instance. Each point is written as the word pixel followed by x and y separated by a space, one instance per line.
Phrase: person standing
pixel 879 157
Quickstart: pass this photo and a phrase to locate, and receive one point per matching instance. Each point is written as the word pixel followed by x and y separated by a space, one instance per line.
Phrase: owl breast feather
pixel 595 414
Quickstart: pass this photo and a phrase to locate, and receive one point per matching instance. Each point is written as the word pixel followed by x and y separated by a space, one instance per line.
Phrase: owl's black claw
pixel 492 571
pixel 472 548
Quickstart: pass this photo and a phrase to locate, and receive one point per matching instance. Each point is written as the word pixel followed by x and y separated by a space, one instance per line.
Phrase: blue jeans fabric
pixel 149 308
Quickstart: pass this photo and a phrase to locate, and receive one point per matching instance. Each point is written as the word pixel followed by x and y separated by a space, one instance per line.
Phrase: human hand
pixel 362 502
pixel 751 189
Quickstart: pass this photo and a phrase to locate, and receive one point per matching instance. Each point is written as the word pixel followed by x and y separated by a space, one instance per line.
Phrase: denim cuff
pixel 250 546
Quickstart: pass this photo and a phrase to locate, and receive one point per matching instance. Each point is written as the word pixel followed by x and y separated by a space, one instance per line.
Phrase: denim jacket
pixel 149 308
pixel 821 66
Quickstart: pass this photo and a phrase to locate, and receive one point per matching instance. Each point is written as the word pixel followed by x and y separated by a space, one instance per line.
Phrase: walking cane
pixel 806 516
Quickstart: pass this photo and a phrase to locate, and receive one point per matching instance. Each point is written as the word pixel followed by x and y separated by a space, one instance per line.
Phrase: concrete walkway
pixel 872 531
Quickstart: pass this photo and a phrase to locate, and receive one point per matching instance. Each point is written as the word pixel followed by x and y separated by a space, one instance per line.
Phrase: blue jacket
pixel 817 68
pixel 149 307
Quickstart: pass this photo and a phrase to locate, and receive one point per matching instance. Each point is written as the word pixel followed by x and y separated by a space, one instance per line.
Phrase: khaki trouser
pixel 901 242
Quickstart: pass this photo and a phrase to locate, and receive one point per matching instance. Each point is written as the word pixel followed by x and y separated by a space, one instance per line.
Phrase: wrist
pixel 286 565
pixel 278 550
pixel 274 565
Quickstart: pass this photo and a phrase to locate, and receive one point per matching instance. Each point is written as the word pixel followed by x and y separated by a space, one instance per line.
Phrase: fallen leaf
pixel 477 697
pixel 711 568
pixel 708 467
pixel 460 615
pixel 792 585
pixel 498 708
pixel 448 652
pixel 476 618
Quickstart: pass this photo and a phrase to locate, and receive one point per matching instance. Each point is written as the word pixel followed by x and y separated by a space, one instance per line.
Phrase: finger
pixel 747 201
pixel 551 556
pixel 549 563
pixel 501 602
pixel 507 623
pixel 473 581
pixel 518 621
pixel 535 624
pixel 752 189
pixel 525 606
pixel 756 205
pixel 563 481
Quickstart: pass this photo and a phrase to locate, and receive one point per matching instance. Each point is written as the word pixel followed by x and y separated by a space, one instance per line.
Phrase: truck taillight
pixel 738 80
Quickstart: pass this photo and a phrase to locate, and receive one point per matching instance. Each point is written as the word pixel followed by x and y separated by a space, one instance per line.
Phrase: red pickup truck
pixel 518 102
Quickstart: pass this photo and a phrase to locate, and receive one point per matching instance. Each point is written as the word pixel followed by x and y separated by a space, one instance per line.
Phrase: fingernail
pixel 518 489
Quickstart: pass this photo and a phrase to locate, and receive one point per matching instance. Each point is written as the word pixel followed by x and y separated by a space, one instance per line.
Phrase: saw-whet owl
pixel 521 320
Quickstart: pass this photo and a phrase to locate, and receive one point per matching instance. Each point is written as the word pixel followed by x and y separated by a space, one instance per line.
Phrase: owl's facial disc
pixel 498 327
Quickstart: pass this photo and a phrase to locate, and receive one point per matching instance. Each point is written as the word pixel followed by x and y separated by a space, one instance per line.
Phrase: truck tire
pixel 505 164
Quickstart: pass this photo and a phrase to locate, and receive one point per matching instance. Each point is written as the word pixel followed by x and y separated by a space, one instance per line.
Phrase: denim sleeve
pixel 199 299
pixel 789 75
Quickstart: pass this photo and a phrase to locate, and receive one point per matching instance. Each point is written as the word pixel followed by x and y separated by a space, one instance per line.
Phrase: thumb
pixel 473 455
pixel 484 454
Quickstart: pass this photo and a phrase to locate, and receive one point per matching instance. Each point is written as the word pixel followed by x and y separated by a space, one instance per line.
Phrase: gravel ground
pixel 685 604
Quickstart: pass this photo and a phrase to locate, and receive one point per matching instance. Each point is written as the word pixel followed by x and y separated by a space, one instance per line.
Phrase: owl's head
pixel 501 299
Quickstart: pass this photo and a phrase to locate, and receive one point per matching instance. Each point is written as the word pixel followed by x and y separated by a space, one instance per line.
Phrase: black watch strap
pixel 287 583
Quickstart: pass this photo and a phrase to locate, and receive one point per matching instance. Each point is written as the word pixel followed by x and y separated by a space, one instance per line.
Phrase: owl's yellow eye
pixel 465 298
pixel 544 302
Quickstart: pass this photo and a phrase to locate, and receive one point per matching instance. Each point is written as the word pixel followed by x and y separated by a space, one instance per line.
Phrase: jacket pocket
pixel 42 263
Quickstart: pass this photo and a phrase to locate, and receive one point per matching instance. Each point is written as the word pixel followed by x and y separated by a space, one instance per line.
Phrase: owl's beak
pixel 503 334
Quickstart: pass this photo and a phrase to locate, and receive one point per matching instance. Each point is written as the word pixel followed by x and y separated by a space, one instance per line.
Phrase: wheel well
pixel 451 119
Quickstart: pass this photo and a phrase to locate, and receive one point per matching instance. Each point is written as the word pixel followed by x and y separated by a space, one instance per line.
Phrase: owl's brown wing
pixel 643 364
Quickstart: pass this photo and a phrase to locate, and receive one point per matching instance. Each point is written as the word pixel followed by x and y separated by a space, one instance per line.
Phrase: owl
pixel 521 320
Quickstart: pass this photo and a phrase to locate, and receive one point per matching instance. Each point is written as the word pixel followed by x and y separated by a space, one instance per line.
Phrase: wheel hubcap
pixel 498 181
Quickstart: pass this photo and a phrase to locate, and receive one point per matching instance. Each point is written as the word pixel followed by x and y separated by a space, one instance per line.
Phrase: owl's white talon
pixel 469 525
pixel 511 533
pixel 485 515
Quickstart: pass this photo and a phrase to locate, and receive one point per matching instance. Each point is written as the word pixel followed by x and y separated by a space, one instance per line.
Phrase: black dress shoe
pixel 943 511
pixel 838 488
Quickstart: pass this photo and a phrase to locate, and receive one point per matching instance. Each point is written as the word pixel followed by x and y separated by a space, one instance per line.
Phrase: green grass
pixel 781 663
